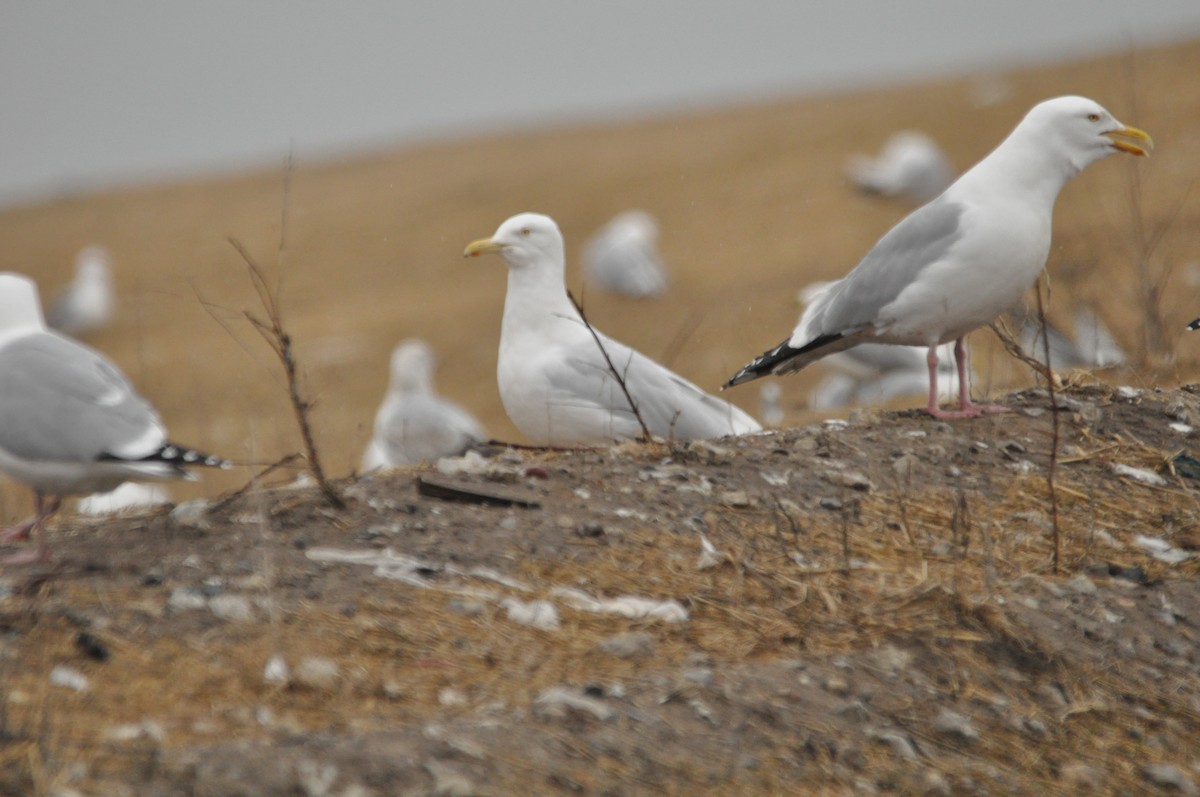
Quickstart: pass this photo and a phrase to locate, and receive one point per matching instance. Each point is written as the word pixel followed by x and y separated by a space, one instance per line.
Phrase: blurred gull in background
pixel 1092 346
pixel 129 496
pixel 87 303
pixel 910 167
pixel 414 424
pixel 622 256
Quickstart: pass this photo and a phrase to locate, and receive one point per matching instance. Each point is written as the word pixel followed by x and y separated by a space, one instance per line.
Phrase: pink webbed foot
pixel 19 531
pixel 969 411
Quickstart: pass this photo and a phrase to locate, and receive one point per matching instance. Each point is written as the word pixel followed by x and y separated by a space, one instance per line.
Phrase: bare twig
pixel 272 331
pixel 1050 471
pixel 283 462
pixel 612 368
pixel 1014 348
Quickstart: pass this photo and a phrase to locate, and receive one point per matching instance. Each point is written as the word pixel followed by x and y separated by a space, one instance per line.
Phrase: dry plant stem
pixel 1053 436
pixel 254 481
pixel 612 368
pixel 1012 347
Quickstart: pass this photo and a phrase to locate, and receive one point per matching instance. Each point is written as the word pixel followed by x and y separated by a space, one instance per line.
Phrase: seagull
pixel 873 373
pixel 86 304
pixel 911 166
pixel 562 382
pixel 956 263
pixel 70 422
pixel 414 424
pixel 622 256
pixel 1093 346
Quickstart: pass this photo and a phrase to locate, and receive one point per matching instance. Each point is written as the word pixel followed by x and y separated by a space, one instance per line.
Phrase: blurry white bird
pixel 70 422
pixel 769 408
pixel 414 424
pixel 87 303
pixel 911 167
pixel 956 263
pixel 557 386
pixel 1092 346
pixel 622 256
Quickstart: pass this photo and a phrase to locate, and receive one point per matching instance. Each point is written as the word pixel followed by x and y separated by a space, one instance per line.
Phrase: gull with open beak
pixel 954 264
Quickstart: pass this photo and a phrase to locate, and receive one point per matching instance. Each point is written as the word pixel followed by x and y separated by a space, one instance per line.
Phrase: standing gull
pixel 86 304
pixel 622 256
pixel 70 422
pixel 414 424
pixel 956 263
pixel 556 385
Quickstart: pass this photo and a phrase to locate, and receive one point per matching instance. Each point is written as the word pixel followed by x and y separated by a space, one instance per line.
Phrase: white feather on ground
pixel 555 382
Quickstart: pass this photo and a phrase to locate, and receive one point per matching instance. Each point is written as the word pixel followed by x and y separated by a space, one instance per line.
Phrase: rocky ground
pixel 882 605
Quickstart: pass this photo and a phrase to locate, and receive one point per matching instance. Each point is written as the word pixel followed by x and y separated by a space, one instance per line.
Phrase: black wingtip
pixel 770 361
pixel 1194 325
pixel 180 457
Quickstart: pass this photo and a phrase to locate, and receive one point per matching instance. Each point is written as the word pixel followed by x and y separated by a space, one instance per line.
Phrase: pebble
pixel 1171 777
pixel 836 685
pixel 318 672
pixel 855 711
pixel 738 499
pixel 900 743
pixel 558 702
pixel 539 614
pixel 951 723
pixel 192 514
pixel 1082 585
pixel 448 781
pixel 231 608
pixel 1128 393
pixel 630 645
pixel 68 678
pixel 1082 778
pixel 466 607
pixel 276 670
pixel 186 599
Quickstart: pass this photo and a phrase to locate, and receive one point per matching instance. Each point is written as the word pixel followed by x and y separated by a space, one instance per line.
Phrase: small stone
pixel 448 781
pixel 836 685
pixel 900 743
pixel 934 784
pixel 737 499
pixel 192 514
pixel 68 678
pixel 1170 776
pixel 1127 393
pixel 1082 778
pixel 630 645
pixel 558 702
pixel 951 723
pixel 539 614
pixel 231 608
pixel 449 696
pixel 1139 474
pixel 185 599
pixel 318 672
pixel 855 711
pixel 701 676
pixel 276 671
pixel 832 504
pixel 1082 585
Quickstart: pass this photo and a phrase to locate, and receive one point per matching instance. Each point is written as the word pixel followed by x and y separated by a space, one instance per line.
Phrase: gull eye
pixel 526 231
pixel 1093 117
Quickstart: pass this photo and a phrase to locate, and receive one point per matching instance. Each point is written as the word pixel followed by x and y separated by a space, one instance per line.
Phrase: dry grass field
pixel 882 614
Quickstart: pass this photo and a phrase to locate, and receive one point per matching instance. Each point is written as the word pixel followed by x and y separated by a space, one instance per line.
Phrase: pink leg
pixel 966 409
pixel 43 510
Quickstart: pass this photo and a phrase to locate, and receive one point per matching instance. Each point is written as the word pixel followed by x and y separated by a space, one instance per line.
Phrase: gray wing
pixel 60 401
pixel 671 406
pixel 895 262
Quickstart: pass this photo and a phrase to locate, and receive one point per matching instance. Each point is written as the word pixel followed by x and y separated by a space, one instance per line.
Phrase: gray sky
pixel 101 93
